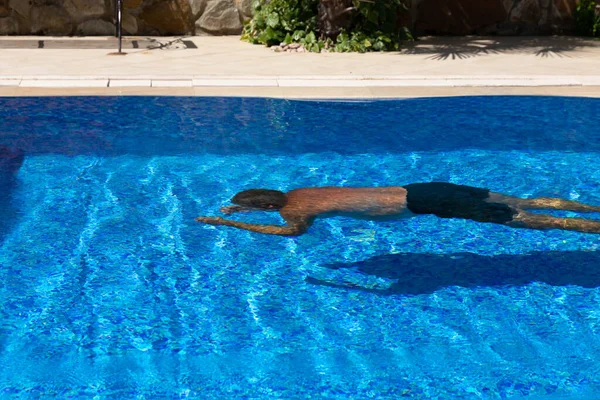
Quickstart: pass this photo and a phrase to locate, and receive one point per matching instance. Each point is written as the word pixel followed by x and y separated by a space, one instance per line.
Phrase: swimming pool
pixel 108 287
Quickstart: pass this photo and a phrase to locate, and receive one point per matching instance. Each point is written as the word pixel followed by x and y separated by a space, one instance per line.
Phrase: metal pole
pixel 119 27
pixel 119 21
pixel 115 8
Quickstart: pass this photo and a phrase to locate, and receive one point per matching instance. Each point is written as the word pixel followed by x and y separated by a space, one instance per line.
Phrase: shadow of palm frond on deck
pixel 458 48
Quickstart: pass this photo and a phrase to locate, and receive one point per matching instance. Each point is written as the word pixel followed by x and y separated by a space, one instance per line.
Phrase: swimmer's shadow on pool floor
pixel 425 273
pixel 10 162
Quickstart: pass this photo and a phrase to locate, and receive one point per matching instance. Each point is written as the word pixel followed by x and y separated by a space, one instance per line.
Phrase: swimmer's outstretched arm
pixel 294 229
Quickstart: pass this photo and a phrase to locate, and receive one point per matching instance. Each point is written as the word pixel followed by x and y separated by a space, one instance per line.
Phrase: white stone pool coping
pixel 282 81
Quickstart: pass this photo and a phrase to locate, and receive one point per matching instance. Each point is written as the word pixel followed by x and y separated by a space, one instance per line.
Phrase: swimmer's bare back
pixel 302 206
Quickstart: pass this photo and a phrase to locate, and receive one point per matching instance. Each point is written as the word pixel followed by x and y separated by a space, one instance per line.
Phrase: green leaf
pixel 269 37
pixel 342 37
pixel 263 37
pixel 273 20
pixel 373 17
pixel 259 21
pixel 298 35
pixel 311 38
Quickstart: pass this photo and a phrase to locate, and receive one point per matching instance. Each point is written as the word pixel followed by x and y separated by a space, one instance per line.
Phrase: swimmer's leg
pixel 547 203
pixel 524 219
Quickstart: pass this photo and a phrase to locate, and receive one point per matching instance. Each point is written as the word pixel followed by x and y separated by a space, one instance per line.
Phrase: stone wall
pixel 223 17
pixel 493 17
pixel 140 17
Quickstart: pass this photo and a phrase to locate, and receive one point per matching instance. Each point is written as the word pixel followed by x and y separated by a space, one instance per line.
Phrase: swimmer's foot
pixel 557 204
pixel 541 221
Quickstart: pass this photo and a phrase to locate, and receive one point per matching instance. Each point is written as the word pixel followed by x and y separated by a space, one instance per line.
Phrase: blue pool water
pixel 109 288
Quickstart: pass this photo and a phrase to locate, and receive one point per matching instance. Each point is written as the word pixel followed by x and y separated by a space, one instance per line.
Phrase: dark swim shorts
pixel 447 200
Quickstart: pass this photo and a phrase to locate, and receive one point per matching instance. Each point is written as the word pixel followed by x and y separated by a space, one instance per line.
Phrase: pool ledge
pixel 319 87
pixel 298 81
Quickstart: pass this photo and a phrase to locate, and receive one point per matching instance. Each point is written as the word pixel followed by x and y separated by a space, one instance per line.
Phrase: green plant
pixel 587 22
pixel 368 25
pixel 378 16
pixel 277 21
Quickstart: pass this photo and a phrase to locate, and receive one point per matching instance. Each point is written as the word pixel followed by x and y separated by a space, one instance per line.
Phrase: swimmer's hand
pixel 297 228
pixel 231 209
pixel 211 220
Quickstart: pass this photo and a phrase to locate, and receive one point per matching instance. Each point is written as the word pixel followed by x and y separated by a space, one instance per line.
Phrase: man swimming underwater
pixel 300 207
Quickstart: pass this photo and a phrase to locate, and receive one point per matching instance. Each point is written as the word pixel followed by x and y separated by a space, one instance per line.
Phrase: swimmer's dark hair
pixel 261 198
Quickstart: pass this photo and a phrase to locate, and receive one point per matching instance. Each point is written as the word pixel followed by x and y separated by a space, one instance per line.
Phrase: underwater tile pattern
pixel 109 288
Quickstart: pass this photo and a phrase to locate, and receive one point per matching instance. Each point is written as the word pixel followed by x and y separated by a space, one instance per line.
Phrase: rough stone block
pixel 132 3
pixel 198 7
pixel 84 9
pixel 508 5
pixel 8 26
pixel 50 20
pixel 130 24
pixel 220 17
pixel 21 7
pixel 458 17
pixel 526 12
pixel 562 12
pixel 96 27
pixel 244 7
pixel 170 17
pixel 36 3
pixel 543 17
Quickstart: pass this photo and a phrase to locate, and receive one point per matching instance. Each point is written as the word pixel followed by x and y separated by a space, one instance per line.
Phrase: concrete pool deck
pixel 226 66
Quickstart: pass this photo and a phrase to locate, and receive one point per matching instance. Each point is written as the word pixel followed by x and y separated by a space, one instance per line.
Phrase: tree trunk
pixel 334 16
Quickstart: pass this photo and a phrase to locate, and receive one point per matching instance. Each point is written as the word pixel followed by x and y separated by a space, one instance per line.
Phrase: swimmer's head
pixel 260 199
